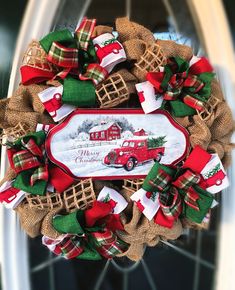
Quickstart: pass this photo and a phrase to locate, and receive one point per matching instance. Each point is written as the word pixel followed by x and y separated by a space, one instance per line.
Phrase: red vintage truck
pixel 133 152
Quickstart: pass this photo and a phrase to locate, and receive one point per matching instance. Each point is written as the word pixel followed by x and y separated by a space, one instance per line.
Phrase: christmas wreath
pixel 139 184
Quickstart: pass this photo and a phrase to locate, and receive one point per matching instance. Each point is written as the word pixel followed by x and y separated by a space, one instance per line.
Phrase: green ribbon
pixel 75 92
pixel 78 93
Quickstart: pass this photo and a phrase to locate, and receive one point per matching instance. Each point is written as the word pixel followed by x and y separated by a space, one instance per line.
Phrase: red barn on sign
pixel 140 132
pixel 105 132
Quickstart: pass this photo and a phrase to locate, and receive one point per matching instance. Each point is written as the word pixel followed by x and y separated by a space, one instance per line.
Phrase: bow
pixel 87 234
pixel 180 191
pixel 186 88
pixel 26 157
pixel 74 58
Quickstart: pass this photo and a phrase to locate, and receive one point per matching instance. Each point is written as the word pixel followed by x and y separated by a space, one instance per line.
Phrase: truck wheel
pixel 158 158
pixel 130 164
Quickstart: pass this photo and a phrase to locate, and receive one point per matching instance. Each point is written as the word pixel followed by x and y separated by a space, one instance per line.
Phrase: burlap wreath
pixel 20 114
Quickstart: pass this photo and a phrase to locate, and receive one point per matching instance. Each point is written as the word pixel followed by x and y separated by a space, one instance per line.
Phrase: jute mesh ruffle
pixel 79 196
pixel 12 134
pixel 48 201
pixel 36 57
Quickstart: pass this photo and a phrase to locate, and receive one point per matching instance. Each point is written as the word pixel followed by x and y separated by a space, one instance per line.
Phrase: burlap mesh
pixel 100 29
pixel 12 134
pixel 79 196
pixel 24 106
pixel 47 228
pixel 171 48
pixel 116 89
pixel 130 30
pixel 31 219
pixel 9 175
pixel 139 231
pixel 36 57
pixel 48 201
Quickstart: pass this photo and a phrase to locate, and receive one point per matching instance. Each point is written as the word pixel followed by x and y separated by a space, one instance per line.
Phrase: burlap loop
pixel 171 48
pixel 47 228
pixel 130 30
pixel 101 29
pixel 139 231
pixel 134 48
pixel 116 89
pixel 9 175
pixel 25 106
pixel 31 219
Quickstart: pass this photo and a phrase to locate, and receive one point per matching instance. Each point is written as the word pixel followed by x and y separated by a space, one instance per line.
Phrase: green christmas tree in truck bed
pixel 156 142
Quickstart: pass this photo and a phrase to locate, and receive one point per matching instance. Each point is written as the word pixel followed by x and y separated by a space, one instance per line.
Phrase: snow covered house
pixel 140 132
pixel 105 132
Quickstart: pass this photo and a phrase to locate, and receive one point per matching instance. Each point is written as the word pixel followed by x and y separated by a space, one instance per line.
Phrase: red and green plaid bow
pixel 88 234
pixel 186 89
pixel 181 191
pixel 28 158
pixel 75 54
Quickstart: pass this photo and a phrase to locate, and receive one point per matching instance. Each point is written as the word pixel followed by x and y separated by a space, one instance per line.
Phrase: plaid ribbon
pixel 179 85
pixel 63 56
pixel 185 182
pixel 29 155
pixel 94 72
pixel 98 240
pixel 84 32
pixel 170 203
pixel 182 190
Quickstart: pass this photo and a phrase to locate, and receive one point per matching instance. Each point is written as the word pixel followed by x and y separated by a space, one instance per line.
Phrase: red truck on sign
pixel 131 153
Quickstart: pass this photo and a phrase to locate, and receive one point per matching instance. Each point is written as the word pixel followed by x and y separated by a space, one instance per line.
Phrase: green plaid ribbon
pixel 94 242
pixel 84 32
pixel 184 92
pixel 179 192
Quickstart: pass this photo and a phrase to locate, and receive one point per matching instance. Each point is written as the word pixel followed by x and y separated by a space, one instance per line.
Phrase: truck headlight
pixel 121 153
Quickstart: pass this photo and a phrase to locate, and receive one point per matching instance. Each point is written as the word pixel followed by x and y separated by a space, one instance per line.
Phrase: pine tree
pixel 156 142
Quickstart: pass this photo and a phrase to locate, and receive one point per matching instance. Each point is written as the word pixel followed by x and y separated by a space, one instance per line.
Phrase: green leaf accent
pixel 106 42
pixel 213 171
pixel 107 198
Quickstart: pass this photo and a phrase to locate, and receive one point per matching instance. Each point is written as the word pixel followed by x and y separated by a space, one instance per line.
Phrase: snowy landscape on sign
pixel 82 149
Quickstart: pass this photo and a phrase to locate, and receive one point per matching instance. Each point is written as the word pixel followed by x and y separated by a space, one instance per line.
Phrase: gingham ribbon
pixel 84 32
pixel 179 83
